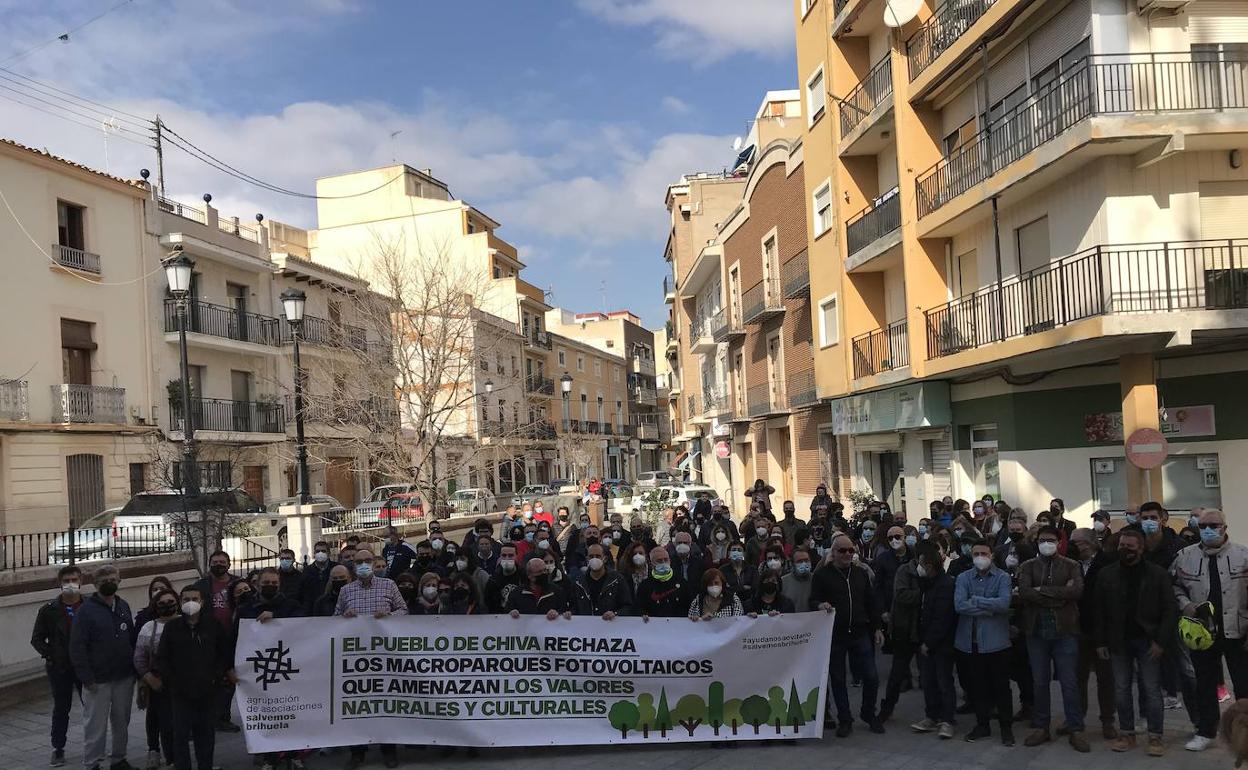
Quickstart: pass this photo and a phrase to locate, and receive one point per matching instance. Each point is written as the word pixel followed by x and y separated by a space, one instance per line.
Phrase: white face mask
pixel 606 542
pixel 190 608
pixel 69 589
pixel 721 536
pixel 682 549
pixel 996 527
pixel 1099 526
pixel 595 564
pixel 1048 548
pixel 714 590
pixel 429 592
pixel 542 545
pixel 1011 560
pixel 639 559
pixel 920 570
pixel 437 544
pixel 508 566
pixel 774 564
pixel 320 557
pixel 760 531
pixel 461 564
pixel 982 562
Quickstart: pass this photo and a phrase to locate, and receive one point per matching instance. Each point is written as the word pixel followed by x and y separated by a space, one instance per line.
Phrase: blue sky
pixel 563 119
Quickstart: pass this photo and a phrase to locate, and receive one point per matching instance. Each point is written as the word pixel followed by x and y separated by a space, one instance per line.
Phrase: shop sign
pixel 920 405
pixel 1179 422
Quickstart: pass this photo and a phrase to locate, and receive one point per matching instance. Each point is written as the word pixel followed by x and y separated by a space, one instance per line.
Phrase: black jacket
pixel 99 644
pixel 1088 598
pixel 499 588
pixel 191 661
pixel 281 606
pixel 938 621
pixel 614 595
pixel 885 566
pixel 850 592
pixel 704 534
pixel 662 599
pixel 526 602
pixel 780 603
pixel 312 584
pixel 1157 612
pixel 742 584
pixel 324 606
pixel 398 558
pixel 290 582
pixel 50 636
pixel 689 568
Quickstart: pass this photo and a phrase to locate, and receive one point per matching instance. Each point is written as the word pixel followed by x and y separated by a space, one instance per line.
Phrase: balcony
pixel 179 210
pixel 540 430
pixel 802 390
pixel 875 91
pixel 226 416
pixel 882 350
pixel 871 224
pixel 669 289
pixel 88 404
pixel 1133 279
pixel 739 410
pixel 537 340
pixel 767 400
pixel 693 406
pixel 232 226
pixel 538 385
pixel 647 427
pixel 587 427
pixel 1101 85
pixel 76 259
pixel 715 403
pixel 225 323
pixel 762 302
pixel 374 413
pixel 941 31
pixel 645 395
pixel 15 401
pixel 702 330
pixel 321 331
pixel 795 275
pixel 643 365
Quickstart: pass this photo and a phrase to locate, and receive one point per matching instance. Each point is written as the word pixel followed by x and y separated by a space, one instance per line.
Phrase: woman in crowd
pixel 717 545
pixel 159 718
pixel 158 584
pixel 465 596
pixel 409 587
pixel 769 600
pixel 428 599
pixel 715 599
pixel 635 564
pixel 738 576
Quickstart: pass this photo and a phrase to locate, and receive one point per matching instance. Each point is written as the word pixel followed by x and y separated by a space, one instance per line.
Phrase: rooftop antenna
pixel 111 124
pixel 737 143
pixel 394 155
pixel 898 13
pixel 602 287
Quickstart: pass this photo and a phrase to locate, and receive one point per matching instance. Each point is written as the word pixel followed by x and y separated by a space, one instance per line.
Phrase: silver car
pixel 93 539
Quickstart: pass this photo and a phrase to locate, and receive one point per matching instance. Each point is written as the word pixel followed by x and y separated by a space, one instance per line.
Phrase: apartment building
pixel 621 334
pixel 1026 244
pixel 664 382
pixel 594 435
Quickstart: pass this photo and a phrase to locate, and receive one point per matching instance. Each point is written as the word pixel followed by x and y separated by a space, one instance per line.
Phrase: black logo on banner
pixel 272 665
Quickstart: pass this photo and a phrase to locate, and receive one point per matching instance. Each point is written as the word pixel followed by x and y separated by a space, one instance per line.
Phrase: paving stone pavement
pixel 24 722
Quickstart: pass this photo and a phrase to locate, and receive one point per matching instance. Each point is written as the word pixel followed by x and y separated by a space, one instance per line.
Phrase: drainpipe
pixel 986 161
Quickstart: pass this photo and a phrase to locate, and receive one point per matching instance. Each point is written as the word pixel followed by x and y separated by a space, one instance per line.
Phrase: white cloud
pixel 676 105
pixel 706 30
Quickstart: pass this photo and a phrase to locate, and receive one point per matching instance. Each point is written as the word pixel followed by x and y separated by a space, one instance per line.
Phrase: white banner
pixel 486 680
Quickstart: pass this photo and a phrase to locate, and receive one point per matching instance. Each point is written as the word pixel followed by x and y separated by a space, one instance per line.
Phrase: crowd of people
pixel 989 604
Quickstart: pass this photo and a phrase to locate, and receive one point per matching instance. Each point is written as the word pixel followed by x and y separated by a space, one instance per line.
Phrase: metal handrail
pixel 227 322
pixel 950 21
pixel 882 217
pixel 77 259
pixel 869 93
pixel 881 350
pixel 228 416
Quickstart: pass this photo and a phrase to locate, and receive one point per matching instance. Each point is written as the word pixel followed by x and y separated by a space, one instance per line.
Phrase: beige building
pixel 593 403
pixel 1025 245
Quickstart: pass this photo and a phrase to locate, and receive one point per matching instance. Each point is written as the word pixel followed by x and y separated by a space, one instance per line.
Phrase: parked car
pixel 93 539
pixel 149 522
pixel 670 496
pixel 472 500
pixel 367 514
pixel 401 509
pixel 655 479
pixel 331 518
pixel 619 490
pixel 530 493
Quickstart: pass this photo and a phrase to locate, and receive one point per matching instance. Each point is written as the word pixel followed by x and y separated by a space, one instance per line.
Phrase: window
pixel 515 368
pixel 138 478
pixel 829 322
pixel 563 358
pixel 77 347
pixel 69 225
pixel 615 374
pixel 502 411
pixel 823 208
pixel 597 367
pixel 962 135
pixel 580 363
pixel 498 272
pixel 816 98
pixel 806 6
pixel 987 471
pixel 84 477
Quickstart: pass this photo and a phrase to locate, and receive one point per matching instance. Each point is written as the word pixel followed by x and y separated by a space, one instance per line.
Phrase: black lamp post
pixel 179 272
pixel 293 303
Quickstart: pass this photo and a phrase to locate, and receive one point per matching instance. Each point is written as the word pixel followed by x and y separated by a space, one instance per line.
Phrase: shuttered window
pixel 1060 34
pixel 937 457
pixel 84 475
pixel 1033 244
pixel 1217 21
pixel 1223 209
pixel 958 111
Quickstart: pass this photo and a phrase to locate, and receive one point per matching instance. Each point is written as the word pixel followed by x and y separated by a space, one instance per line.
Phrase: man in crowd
pixel 982 600
pixel 796 584
pixel 663 594
pixel 103 660
pixel 790 524
pixel 537 596
pixel 857 629
pixel 506 578
pixel 600 591
pixel 272 602
pixel 1086 550
pixel 1050 586
pixel 192 661
pixel 1212 572
pixel 937 632
pixel 315 576
pixel 398 553
pixel 215 588
pixel 685 560
pixel 50 638
pixel 290 576
pixel 1162 544
pixel 1134 613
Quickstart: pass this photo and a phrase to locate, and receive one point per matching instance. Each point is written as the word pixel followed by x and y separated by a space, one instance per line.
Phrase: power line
pixel 64 36
pixel 48 89
pixel 96 126
pixel 70 110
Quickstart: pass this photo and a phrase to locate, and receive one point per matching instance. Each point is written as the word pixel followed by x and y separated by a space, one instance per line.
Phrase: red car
pixel 402 508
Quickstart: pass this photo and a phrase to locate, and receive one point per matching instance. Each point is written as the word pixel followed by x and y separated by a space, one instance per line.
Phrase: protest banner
pixel 499 681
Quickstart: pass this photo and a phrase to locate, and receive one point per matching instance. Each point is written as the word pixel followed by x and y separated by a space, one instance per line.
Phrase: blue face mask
pixel 911 540
pixel 662 569
pixel 286 563
pixel 1132 518
pixel 922 528
pixel 364 570
pixel 1150 527
pixel 946 521
pixel 528 536
pixel 736 555
pixel 1210 536
pixel 966 549
pixel 802 568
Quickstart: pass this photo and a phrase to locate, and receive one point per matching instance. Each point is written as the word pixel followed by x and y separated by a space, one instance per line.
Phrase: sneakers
pixel 977 732
pixel 1125 742
pixel 945 731
pixel 1172 702
pixel 1037 738
pixel 1223 694
pixel 1078 742
pixel 1155 747
pixel 58 758
pixel 153 760
pixel 924 726
pixel 1198 743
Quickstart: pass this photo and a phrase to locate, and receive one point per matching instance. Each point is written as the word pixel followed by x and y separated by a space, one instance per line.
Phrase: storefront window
pixel 1187 482
pixel 984 458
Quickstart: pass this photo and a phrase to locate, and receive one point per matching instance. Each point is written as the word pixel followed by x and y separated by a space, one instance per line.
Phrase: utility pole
pixel 160 157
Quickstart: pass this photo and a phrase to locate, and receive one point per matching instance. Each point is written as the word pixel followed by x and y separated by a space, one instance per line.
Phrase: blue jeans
pixel 1061 653
pixel 64 684
pixel 1126 664
pixel 860 652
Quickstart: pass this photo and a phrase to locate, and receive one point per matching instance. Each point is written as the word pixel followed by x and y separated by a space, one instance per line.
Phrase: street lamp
pixel 489 387
pixel 180 272
pixel 565 382
pixel 293 303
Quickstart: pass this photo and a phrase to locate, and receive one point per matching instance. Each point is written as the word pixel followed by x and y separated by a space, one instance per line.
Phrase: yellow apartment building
pixel 1026 226
pixel 592 386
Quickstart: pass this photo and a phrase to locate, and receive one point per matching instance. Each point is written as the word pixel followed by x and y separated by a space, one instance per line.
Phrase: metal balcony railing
pixel 645 395
pixel 801 389
pixel 226 322
pixel 715 402
pixel 950 21
pixel 643 365
pixel 1101 280
pixel 226 416
pixel 762 302
pixel 767 399
pixel 839 6
pixel 796 275
pixel 540 385
pixel 378 413
pixel 232 226
pixel 77 259
pixel 669 289
pixel 874 222
pixel 179 210
pixel 322 331
pixel 872 91
pixel 537 340
pixel 15 401
pixel 88 404
pixel 882 350
pixel 693 406
pixel 1104 84
pixel 738 408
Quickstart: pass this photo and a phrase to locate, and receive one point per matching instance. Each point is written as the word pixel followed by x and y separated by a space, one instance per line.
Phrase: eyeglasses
pixel 1210 526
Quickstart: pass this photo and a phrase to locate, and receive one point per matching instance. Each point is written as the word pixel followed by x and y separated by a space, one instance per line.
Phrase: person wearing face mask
pixel 1209 573
pixel 1049 587
pixel 1103 532
pixel 1013 549
pixel 937 630
pixel 159 583
pixel 103 661
pixel 1085 549
pixel 507 577
pixel 600 590
pixel 821 500
pixel 686 559
pixel 702 506
pixel 740 575
pixel 215 588
pixel 663 594
pixel 271 602
pixel 1135 612
pixel 537 596
pixel 716 546
pixel 326 603
pixel 1161 544
pixel 867 541
pixel 315 576
pixel 398 553
pixel 715 600
pixel 50 637
pixel 427 598
pixel 425 560
pixel 796 584
pixel 465 597
pixel 902 626
pixel 789 523
pixel 634 565
pixel 151 696
pixel 480 528
pixel 291 576
pixel 769 599
pixel 982 598
pixel 541 515
pixel 575 560
pixel 485 553
pixel 964 538
pixel 760 494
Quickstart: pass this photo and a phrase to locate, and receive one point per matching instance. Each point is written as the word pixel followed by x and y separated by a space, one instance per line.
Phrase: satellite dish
pixel 898 13
pixel 736 144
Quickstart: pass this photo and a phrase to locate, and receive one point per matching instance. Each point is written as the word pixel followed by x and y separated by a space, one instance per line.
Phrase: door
pixel 84 476
pixel 77 346
pixel 340 481
pixel 775 370
pixel 892 480
pixel 734 297
pixel 240 392
pixel 253 481
pixel 1221 272
pixel 784 459
pixel 937 455
pixel 237 294
pixel 1039 286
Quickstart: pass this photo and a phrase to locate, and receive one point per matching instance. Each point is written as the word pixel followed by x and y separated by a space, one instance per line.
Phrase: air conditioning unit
pixel 1173 6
